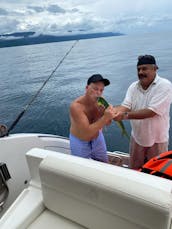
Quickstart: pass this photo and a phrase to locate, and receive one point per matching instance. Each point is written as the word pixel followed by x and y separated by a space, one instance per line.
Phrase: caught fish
pixel 103 103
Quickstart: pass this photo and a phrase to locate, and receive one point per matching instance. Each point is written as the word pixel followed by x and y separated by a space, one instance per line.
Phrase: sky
pixel 85 16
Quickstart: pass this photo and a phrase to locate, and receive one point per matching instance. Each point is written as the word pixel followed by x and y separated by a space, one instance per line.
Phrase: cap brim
pixel 106 82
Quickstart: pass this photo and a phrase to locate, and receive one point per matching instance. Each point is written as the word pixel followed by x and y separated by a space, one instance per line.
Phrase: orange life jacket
pixel 160 165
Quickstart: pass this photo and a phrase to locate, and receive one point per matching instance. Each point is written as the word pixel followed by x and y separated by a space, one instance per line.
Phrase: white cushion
pixel 99 196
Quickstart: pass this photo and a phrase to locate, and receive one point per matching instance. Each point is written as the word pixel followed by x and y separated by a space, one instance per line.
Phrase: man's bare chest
pixel 93 114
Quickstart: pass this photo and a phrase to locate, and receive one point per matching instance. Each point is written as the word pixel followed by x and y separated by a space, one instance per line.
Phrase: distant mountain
pixel 19 34
pixel 30 38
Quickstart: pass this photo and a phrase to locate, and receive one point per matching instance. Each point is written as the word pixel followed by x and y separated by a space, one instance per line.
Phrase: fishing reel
pixel 3 130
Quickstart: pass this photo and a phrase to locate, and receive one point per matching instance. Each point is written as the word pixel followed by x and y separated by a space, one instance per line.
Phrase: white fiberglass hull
pixel 12 152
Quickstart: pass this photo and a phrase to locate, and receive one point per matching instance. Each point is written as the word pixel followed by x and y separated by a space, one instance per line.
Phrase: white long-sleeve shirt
pixel 158 98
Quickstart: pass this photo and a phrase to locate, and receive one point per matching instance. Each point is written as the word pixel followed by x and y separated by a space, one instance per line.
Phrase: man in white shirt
pixel 147 105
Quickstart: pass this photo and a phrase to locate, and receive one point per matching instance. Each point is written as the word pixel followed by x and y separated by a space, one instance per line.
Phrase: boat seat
pixel 73 192
pixel 99 196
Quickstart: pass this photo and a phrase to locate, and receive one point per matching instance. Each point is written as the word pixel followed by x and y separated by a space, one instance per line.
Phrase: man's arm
pixel 140 114
pixel 125 113
pixel 81 125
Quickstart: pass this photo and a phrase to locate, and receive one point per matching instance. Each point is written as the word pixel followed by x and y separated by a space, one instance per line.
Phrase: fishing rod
pixel 6 130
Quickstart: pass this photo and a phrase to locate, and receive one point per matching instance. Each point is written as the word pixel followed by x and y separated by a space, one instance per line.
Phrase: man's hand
pixel 119 116
pixel 109 114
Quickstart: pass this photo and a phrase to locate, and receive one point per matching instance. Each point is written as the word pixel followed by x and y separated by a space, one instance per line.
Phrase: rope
pixel 37 93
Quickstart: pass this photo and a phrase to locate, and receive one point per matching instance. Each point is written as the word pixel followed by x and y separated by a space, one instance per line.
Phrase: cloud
pixel 3 12
pixel 37 9
pixel 8 26
pixel 55 9
pixel 126 16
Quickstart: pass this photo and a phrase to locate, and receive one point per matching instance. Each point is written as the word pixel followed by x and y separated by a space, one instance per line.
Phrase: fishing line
pixel 37 93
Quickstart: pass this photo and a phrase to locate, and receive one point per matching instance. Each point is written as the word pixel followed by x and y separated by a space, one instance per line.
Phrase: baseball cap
pixel 98 78
pixel 146 59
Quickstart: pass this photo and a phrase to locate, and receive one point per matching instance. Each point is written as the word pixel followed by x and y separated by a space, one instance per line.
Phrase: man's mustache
pixel 142 76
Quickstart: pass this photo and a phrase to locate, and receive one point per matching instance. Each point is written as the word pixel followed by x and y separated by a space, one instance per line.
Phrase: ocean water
pixel 24 69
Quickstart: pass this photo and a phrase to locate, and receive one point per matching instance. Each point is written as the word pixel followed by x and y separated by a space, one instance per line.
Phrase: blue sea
pixel 24 69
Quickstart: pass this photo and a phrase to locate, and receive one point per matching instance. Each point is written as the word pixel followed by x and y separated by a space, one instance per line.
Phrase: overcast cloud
pixel 73 16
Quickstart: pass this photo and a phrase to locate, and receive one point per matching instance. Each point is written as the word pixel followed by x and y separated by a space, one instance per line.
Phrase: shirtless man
pixel 87 121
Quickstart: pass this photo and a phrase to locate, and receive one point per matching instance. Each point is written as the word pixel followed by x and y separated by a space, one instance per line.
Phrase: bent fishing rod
pixel 4 131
